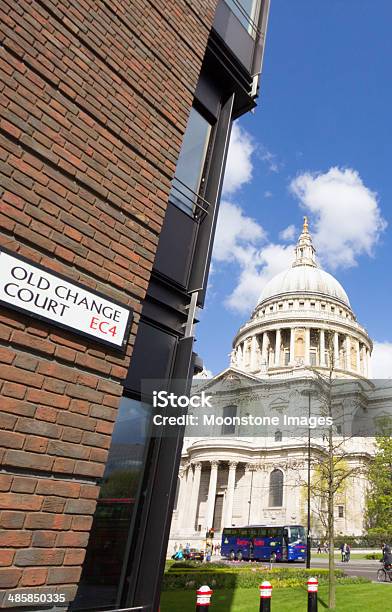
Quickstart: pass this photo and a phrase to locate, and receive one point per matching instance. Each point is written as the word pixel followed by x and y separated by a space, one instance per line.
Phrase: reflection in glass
pixel 247 12
pixel 117 499
pixel 187 181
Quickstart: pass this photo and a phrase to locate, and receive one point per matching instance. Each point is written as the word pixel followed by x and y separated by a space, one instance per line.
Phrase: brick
pixel 10 439
pixel 75 420
pixel 39 556
pixel 7 421
pixel 47 521
pixel 25 459
pixel 45 413
pixel 40 428
pixel 47 398
pixel 66 449
pixel 44 539
pixel 9 578
pixel 96 439
pixel 35 444
pixel 5 482
pixel 6 557
pixel 82 523
pixel 14 501
pixel 16 406
pixel 24 377
pixel 64 575
pixel 12 520
pixel 80 506
pixel 89 491
pixel 74 556
pixel 23 484
pixel 34 576
pixel 88 468
pixel 15 539
pixel 69 539
pixel 103 412
pixel 61 488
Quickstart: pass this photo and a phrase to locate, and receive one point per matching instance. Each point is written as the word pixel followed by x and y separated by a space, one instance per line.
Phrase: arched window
pixel 276 488
pixel 278 436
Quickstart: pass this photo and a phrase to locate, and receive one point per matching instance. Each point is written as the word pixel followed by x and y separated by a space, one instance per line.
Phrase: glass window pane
pixel 247 12
pixel 191 161
pixel 117 500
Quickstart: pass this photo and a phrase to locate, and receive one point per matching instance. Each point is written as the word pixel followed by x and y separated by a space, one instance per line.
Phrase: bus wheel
pixel 232 555
pixel 273 557
pixel 239 556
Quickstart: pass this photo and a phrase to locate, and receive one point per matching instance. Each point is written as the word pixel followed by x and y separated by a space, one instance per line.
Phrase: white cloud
pixel 381 360
pixel 268 194
pixel 239 239
pixel 261 266
pixel 239 164
pixel 288 233
pixel 347 218
pixel 235 234
pixel 270 159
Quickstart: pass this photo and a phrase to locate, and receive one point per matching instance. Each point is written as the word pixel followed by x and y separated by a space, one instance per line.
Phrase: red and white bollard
pixel 203 598
pixel 265 596
pixel 312 594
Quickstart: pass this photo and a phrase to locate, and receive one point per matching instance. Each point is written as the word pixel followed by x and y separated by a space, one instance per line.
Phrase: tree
pixel 330 465
pixel 379 506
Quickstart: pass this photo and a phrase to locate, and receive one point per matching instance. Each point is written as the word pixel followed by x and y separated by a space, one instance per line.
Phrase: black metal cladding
pixel 224 92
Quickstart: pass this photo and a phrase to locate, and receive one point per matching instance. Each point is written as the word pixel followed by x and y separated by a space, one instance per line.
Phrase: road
pixel 356 567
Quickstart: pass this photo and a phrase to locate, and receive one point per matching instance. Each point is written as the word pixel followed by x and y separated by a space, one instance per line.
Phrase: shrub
pixel 229 577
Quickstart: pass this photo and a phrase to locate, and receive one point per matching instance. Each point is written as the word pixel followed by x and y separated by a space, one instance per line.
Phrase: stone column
pixel 363 354
pixel 239 356
pixel 187 498
pixel 194 497
pixel 336 349
pixel 358 357
pixel 246 500
pixel 264 348
pixel 277 347
pixel 322 347
pixel 209 518
pixel 181 496
pixel 292 345
pixel 348 353
pixel 228 514
pixel 368 364
pixel 253 354
pixel 307 346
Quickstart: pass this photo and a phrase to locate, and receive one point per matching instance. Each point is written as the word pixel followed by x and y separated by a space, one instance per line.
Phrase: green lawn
pixel 350 598
pixel 338 555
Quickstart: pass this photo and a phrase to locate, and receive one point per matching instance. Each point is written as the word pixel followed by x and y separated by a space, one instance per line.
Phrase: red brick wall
pixel 94 99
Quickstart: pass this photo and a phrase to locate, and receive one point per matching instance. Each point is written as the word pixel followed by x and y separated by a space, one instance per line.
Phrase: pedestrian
pixel 347 553
pixel 208 554
pixel 175 547
pixel 319 548
pixel 343 551
pixel 387 555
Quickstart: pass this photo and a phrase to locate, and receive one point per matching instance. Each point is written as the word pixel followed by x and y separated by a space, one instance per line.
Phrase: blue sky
pixel 319 143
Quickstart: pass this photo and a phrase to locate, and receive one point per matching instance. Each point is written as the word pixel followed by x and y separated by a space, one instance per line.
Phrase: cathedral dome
pixel 304 276
pixel 304 279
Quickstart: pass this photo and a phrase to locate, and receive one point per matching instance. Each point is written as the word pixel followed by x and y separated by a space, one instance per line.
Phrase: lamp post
pixel 308 393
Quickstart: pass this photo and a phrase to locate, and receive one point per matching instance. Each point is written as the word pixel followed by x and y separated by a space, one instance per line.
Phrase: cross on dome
pixel 305 253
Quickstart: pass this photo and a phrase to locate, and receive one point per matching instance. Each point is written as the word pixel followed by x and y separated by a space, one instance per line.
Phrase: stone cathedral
pixel 302 321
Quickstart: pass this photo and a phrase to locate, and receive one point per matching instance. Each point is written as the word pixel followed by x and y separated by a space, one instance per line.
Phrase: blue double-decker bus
pixel 264 542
